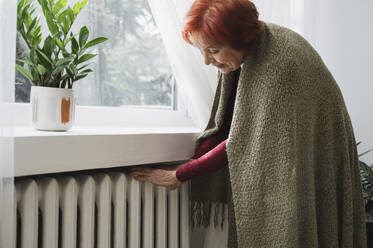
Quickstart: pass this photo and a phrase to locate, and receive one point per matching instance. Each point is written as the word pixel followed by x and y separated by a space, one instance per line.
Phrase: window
pixel 131 68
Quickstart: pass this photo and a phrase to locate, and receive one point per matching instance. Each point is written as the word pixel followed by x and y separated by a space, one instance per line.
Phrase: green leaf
pixel 73 69
pixel 59 69
pixel 24 72
pixel 65 26
pixel 70 14
pixel 69 72
pixel 36 31
pixel 64 77
pixel 85 57
pixel 59 6
pixel 49 46
pixel 39 38
pixel 48 16
pixel 64 61
pixel 83 4
pixel 95 41
pixel 35 41
pixel 44 60
pixel 84 66
pixel 80 76
pixel 23 14
pixel 83 36
pixel 74 46
pixel 35 74
pixel 20 6
pixel 87 71
pixel 26 61
pixel 65 54
pixel 26 15
pixel 31 13
pixel 33 56
pixel 64 21
pixel 76 8
pixel 59 44
pixel 50 22
pixel 41 69
pixel 32 25
pixel 20 25
pixel 61 16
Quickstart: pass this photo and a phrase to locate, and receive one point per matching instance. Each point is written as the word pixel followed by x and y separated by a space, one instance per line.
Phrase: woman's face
pixel 225 58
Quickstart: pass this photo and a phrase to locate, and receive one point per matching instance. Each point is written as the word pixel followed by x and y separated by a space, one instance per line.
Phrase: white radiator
pixel 103 210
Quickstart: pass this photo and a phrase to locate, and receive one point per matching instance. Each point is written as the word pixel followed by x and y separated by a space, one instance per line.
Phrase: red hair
pixel 227 22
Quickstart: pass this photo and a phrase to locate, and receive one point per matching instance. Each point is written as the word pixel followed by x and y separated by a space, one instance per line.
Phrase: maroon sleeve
pixel 208 163
pixel 209 143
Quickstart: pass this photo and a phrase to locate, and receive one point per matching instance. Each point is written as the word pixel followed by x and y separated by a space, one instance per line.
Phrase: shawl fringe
pixel 201 213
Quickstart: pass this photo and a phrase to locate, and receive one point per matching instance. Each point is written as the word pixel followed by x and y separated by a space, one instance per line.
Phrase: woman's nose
pixel 207 59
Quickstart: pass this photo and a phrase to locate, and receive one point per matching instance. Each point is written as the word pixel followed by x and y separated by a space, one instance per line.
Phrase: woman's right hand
pixel 160 175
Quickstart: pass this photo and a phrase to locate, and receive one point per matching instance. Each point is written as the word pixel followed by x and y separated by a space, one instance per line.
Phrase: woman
pixel 279 139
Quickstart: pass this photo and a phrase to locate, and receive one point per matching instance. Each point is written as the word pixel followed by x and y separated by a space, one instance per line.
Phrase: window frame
pixel 108 116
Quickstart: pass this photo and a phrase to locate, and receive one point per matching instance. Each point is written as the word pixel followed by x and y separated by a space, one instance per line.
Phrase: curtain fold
pixel 8 11
pixel 196 82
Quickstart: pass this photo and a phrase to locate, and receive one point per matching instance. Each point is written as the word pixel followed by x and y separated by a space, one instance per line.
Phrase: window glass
pixel 131 68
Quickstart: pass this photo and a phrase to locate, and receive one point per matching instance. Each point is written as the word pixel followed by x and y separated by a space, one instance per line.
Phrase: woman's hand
pixel 163 176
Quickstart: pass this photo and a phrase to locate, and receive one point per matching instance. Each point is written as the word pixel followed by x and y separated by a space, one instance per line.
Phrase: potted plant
pixel 366 173
pixel 57 64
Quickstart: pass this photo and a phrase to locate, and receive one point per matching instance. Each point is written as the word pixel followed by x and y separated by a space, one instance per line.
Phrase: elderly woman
pixel 279 146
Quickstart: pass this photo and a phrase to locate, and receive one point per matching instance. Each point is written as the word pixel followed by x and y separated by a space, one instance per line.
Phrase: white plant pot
pixel 53 109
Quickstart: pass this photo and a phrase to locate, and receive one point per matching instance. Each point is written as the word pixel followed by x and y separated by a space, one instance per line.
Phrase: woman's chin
pixel 224 69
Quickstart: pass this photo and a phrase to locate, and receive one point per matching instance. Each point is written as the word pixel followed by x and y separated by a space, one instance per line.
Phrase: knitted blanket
pixel 293 176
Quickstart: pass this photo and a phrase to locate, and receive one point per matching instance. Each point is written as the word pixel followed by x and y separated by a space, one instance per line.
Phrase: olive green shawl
pixel 293 176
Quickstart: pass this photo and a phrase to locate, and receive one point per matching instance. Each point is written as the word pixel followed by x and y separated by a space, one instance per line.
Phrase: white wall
pixel 346 46
pixel 342 32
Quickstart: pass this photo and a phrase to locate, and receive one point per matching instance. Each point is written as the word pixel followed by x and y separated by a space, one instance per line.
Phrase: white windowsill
pixel 88 147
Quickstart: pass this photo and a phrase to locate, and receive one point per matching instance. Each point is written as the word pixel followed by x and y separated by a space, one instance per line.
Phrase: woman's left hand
pixel 162 177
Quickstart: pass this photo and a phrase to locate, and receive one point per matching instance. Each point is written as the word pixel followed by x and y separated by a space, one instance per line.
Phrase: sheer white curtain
pixel 299 15
pixel 196 81
pixel 7 65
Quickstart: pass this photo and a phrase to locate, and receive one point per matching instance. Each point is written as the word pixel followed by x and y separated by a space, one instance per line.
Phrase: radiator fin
pixel 29 211
pixel 119 185
pixel 48 205
pixel 161 217
pixel 86 203
pixel 103 202
pixel 69 211
pixel 148 216
pixel 173 219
